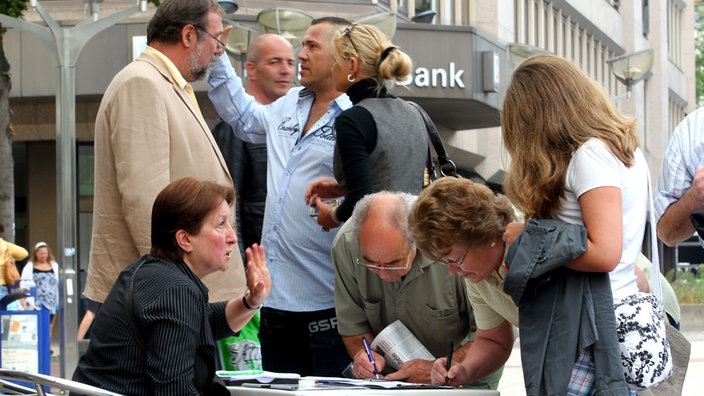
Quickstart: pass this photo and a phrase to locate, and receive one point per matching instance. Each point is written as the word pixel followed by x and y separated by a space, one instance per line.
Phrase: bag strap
pixel 654 253
pixel 129 310
pixel 447 167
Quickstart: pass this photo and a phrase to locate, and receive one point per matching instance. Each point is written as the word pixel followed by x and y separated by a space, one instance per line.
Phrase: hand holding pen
pixel 448 363
pixel 370 356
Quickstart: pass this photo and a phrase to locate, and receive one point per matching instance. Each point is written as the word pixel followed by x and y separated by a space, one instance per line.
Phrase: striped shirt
pixel 297 249
pixel 177 322
pixel 684 154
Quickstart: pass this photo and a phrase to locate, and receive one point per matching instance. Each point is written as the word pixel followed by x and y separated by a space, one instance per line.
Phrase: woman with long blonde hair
pixel 576 159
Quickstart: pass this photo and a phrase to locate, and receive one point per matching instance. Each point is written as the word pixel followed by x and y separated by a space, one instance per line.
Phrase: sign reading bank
pixel 450 77
pixel 443 60
pixel 458 73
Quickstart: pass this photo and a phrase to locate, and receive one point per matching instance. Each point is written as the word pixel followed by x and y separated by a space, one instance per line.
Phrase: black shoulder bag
pixel 445 165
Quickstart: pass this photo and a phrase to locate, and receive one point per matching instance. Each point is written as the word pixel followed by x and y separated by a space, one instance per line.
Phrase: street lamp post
pixel 68 43
pixel 631 68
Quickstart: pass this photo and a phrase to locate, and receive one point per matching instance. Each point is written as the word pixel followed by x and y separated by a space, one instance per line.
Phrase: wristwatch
pixel 246 305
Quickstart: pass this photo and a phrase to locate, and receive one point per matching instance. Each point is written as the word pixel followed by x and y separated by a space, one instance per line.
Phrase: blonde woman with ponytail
pixel 381 141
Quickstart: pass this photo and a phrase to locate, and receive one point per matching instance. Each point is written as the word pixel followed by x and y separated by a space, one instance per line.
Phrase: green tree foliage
pixel 13 8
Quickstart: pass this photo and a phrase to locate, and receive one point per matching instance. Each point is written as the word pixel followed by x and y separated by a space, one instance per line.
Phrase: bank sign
pixel 444 60
pixel 451 76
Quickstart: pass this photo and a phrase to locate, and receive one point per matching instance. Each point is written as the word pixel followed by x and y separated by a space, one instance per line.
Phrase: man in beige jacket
pixel 149 131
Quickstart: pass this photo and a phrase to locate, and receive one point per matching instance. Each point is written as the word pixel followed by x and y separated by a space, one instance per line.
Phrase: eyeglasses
pixel 347 32
pixel 458 262
pixel 385 266
pixel 209 34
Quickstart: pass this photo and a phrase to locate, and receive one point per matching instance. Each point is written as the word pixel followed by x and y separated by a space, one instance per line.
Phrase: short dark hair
pixel 172 15
pixel 333 20
pixel 183 205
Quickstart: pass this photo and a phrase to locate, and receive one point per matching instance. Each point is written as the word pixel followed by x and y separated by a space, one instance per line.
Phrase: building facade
pixel 461 68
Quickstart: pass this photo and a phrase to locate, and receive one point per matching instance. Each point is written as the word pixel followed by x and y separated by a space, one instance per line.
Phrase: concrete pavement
pixel 511 383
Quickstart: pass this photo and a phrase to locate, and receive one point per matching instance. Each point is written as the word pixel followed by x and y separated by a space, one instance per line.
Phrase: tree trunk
pixel 7 176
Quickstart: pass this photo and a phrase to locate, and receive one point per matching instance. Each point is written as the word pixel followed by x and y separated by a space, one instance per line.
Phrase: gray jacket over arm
pixel 561 311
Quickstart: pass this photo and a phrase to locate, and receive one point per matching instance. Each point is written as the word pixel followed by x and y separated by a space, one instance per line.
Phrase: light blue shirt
pixel 684 154
pixel 297 249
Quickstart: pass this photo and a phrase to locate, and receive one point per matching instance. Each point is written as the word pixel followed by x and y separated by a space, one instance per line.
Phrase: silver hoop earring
pixel 493 243
pixel 350 78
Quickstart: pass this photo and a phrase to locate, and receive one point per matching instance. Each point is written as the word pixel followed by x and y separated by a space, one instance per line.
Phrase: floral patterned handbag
pixel 640 326
pixel 642 337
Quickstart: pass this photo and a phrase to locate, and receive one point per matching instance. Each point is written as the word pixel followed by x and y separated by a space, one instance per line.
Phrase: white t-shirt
pixel 594 165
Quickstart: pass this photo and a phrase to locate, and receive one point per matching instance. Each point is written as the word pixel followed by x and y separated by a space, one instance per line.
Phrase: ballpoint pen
pixel 448 364
pixel 371 357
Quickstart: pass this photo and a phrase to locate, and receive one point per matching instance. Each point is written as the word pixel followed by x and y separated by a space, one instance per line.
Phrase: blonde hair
pixel 551 108
pixel 457 211
pixel 50 255
pixel 378 58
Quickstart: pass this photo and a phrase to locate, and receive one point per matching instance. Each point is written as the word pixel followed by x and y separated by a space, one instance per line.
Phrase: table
pixel 242 391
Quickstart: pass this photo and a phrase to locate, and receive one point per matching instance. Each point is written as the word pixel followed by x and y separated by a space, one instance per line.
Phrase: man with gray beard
pixel 149 131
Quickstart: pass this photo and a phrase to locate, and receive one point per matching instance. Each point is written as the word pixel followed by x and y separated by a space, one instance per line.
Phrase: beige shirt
pixel 490 303
pixel 175 74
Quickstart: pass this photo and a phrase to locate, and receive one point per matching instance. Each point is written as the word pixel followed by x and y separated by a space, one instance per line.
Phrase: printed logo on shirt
pixel 286 129
pixel 327 132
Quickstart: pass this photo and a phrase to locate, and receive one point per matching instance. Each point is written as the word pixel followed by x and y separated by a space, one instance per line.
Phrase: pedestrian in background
pixel 42 273
pixel 9 253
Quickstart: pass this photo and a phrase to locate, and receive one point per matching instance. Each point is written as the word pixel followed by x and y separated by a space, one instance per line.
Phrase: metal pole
pixel 66 204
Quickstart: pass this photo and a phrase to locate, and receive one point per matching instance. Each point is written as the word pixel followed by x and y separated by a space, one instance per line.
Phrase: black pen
pixel 448 364
pixel 371 357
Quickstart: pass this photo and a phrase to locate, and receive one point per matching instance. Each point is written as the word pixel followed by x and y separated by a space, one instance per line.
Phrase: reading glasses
pixel 385 266
pixel 458 262
pixel 211 35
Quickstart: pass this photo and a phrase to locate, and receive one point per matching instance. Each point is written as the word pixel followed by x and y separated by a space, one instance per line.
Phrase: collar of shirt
pixel 173 70
pixel 343 102
pixel 419 266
